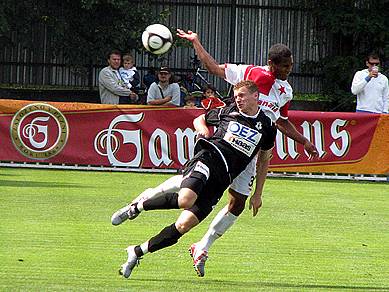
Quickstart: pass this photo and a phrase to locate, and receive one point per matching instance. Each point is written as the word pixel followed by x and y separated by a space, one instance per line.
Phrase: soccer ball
pixel 157 39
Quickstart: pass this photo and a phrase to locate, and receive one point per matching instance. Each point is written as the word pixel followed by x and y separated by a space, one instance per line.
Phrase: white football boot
pixel 129 211
pixel 132 261
pixel 199 259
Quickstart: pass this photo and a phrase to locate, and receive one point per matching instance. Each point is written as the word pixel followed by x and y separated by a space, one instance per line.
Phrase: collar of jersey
pixel 248 116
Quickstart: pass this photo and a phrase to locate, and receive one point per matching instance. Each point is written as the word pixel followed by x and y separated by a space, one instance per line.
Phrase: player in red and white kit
pixel 275 96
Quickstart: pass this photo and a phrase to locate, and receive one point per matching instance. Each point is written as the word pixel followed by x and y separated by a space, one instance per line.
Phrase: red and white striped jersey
pixel 274 94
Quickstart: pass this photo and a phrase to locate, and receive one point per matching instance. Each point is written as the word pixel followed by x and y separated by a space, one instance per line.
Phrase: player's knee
pixel 186 198
pixel 183 226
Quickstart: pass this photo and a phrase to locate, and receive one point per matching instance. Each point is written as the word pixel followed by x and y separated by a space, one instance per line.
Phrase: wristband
pixel 367 78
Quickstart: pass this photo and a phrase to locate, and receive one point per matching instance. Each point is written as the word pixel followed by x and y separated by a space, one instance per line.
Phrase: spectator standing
pixel 371 87
pixel 164 92
pixel 111 85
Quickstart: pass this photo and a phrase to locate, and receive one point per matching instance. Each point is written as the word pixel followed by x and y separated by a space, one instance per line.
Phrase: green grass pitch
pixel 310 235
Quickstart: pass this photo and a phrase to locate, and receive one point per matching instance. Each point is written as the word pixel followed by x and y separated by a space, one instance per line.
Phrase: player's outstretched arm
pixel 287 128
pixel 263 160
pixel 208 61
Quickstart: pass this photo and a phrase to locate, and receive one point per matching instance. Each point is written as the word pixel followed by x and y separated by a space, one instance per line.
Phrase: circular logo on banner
pixel 39 131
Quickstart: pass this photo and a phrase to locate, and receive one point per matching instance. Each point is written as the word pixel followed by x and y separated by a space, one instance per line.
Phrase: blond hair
pixel 250 85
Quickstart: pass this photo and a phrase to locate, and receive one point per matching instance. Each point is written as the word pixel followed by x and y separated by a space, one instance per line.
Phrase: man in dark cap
pixel 164 92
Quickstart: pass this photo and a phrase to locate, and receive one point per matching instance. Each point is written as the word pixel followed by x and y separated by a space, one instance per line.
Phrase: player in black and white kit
pixel 242 131
pixel 275 94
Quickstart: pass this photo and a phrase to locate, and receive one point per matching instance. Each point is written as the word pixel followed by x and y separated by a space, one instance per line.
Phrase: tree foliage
pixel 354 29
pixel 83 31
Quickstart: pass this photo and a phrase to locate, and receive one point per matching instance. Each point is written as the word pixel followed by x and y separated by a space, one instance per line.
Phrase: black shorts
pixel 205 174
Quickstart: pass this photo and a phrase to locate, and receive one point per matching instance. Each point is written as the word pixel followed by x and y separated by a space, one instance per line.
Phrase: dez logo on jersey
pixel 242 138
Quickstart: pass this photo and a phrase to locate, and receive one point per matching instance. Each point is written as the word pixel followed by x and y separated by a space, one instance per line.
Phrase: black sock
pixel 167 237
pixel 167 201
pixel 138 251
pixel 136 207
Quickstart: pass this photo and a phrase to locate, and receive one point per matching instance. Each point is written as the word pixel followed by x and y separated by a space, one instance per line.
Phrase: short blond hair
pixel 250 85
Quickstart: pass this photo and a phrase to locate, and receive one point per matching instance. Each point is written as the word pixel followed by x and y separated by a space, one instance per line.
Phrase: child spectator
pixel 130 78
pixel 209 100
pixel 190 102
pixel 128 72
pixel 209 91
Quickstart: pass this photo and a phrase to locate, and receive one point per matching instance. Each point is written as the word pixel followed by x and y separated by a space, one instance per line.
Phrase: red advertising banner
pixel 150 137
pixel 347 143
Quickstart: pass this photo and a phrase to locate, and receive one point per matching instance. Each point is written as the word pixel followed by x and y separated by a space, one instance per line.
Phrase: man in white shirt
pixel 164 92
pixel 371 88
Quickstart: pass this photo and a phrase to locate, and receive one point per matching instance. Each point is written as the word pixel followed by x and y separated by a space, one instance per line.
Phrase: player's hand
pixel 255 203
pixel 311 149
pixel 190 35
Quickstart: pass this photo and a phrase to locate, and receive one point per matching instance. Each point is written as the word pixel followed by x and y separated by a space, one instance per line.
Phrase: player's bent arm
pixel 212 66
pixel 263 160
pixel 208 61
pixel 287 128
pixel 201 126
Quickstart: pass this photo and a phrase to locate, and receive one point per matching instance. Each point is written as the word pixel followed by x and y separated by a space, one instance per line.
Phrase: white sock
pixel 220 224
pixel 145 247
pixel 171 185
pixel 140 205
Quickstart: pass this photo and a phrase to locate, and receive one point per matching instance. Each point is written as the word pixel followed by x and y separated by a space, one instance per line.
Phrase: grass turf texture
pixel 55 235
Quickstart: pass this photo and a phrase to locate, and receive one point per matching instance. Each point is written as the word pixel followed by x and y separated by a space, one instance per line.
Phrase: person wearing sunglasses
pixel 371 87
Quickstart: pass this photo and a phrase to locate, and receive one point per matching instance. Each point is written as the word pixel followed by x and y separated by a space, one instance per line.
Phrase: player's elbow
pixel 217 71
pixel 265 155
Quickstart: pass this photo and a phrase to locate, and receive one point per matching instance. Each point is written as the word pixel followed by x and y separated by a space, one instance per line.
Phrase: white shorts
pixel 243 183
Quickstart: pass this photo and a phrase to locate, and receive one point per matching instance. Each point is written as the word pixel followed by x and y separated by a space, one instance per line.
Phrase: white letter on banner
pixel 280 146
pixel 185 144
pixel 283 151
pixel 163 137
pixel 344 135
pixel 318 136
pixel 32 130
pixel 129 136
pixel 292 148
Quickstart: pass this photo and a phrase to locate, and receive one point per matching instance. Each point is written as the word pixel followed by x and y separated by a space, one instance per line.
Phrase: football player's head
pixel 246 97
pixel 280 61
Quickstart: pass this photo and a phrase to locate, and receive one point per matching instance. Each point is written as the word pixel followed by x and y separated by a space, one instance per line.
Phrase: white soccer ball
pixel 157 39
